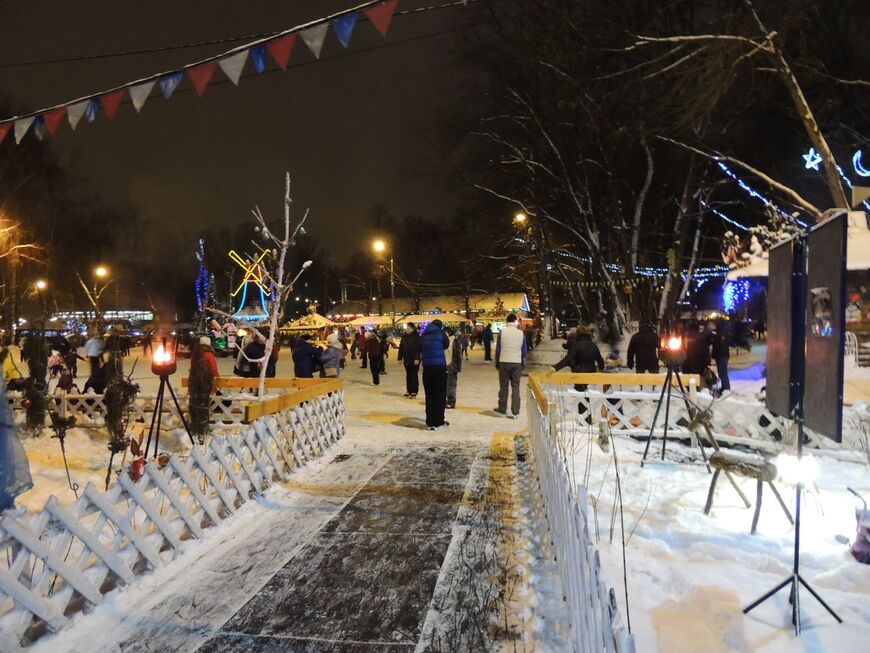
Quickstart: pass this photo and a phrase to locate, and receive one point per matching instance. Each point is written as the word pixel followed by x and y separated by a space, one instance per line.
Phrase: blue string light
pixel 734 293
pixel 203 278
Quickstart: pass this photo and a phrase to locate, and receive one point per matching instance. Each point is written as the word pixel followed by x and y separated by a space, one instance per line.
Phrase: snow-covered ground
pixel 690 575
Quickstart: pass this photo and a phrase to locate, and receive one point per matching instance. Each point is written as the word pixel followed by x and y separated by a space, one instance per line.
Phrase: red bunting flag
pixel 111 101
pixel 53 119
pixel 4 129
pixel 382 15
pixel 281 48
pixel 201 75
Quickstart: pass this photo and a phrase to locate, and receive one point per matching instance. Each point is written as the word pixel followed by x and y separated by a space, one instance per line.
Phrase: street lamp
pixel 101 272
pixel 40 285
pixel 520 218
pixel 379 247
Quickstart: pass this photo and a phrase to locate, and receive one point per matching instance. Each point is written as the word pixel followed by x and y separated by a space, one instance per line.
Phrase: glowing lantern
pixel 672 349
pixel 164 355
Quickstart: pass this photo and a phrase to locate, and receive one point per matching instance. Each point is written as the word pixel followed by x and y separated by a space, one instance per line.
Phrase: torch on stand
pixel 673 353
pixel 163 364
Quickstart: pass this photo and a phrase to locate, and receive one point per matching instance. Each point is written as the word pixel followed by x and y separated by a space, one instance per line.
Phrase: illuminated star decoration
pixel 812 159
pixel 254 273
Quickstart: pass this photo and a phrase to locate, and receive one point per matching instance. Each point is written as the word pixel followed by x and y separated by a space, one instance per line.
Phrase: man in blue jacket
pixel 433 347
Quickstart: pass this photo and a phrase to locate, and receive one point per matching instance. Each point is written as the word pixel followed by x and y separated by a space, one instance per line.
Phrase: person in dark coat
pixel 375 354
pixel 720 351
pixel 584 356
pixel 385 350
pixel 306 358
pixel 363 349
pixel 454 366
pixel 409 356
pixel 697 351
pixel 643 350
pixel 487 343
pixel 255 350
pixel 433 346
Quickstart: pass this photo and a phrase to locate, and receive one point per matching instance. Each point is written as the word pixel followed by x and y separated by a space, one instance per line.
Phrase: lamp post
pixel 39 285
pixel 379 247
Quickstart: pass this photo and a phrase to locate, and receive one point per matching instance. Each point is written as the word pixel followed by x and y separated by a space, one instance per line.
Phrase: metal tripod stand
pixel 795 580
pixel 158 410
pixel 665 397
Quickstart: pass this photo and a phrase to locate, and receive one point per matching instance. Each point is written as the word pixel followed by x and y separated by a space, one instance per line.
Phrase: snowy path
pixel 350 553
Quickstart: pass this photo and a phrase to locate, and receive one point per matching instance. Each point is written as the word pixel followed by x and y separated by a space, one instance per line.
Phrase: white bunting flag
pixel 140 93
pixel 314 38
pixel 233 65
pixel 21 127
pixel 74 112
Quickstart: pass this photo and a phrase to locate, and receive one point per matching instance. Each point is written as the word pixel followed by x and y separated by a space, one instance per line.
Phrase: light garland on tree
pixel 203 278
pixel 751 191
pixel 812 161
pixel 734 293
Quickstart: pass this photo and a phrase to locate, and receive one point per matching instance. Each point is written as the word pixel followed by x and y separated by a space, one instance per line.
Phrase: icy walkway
pixel 398 540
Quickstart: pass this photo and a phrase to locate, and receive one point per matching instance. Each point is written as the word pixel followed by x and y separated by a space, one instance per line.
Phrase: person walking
pixel 454 366
pixel 354 345
pixel 373 350
pixel 487 341
pixel 363 349
pixel 463 338
pixel 385 350
pixel 409 356
pixel 721 353
pixel 433 344
pixel 306 358
pixel 510 356
pixel 272 363
pixel 331 357
pixel 584 356
pixel 643 350
pixel 94 348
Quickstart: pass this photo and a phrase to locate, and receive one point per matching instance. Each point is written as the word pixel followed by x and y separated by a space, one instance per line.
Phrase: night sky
pixel 352 130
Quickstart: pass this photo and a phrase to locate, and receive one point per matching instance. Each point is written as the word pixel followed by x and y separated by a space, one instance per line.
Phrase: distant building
pixel 480 306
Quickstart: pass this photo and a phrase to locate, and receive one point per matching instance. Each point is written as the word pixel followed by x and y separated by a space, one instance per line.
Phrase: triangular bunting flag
pixel 168 83
pixel 4 129
pixel 343 27
pixel 92 109
pixel 258 56
pixel 314 38
pixel 21 127
pixel 382 15
pixel 53 119
pixel 234 65
pixel 201 75
pixel 140 93
pixel 281 48
pixel 39 127
pixel 111 101
pixel 74 112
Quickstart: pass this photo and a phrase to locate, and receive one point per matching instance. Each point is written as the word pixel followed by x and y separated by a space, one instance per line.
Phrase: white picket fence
pixel 596 624
pixel 227 410
pixel 64 559
pixel 733 420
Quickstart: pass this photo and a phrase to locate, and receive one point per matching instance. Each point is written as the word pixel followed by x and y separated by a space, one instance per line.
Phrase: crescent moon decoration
pixel 859 168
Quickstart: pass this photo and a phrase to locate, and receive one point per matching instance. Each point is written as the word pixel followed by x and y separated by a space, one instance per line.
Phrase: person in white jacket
pixel 510 356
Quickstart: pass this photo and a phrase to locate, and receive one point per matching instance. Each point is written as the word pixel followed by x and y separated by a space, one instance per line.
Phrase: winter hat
pixel 437 323
pixel 205 340
pixel 332 340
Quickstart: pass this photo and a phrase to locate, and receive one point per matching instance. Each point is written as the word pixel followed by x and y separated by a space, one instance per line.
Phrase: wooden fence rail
pixel 64 559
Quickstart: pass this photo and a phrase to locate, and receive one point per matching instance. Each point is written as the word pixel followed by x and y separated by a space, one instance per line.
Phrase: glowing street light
pixel 40 284
pixel 379 246
pixel 101 272
pixel 521 218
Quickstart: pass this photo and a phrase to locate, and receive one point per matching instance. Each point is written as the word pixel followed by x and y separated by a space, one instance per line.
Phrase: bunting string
pixel 278 46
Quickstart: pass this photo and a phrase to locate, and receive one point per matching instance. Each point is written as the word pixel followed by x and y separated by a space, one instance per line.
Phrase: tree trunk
pixel 680 232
